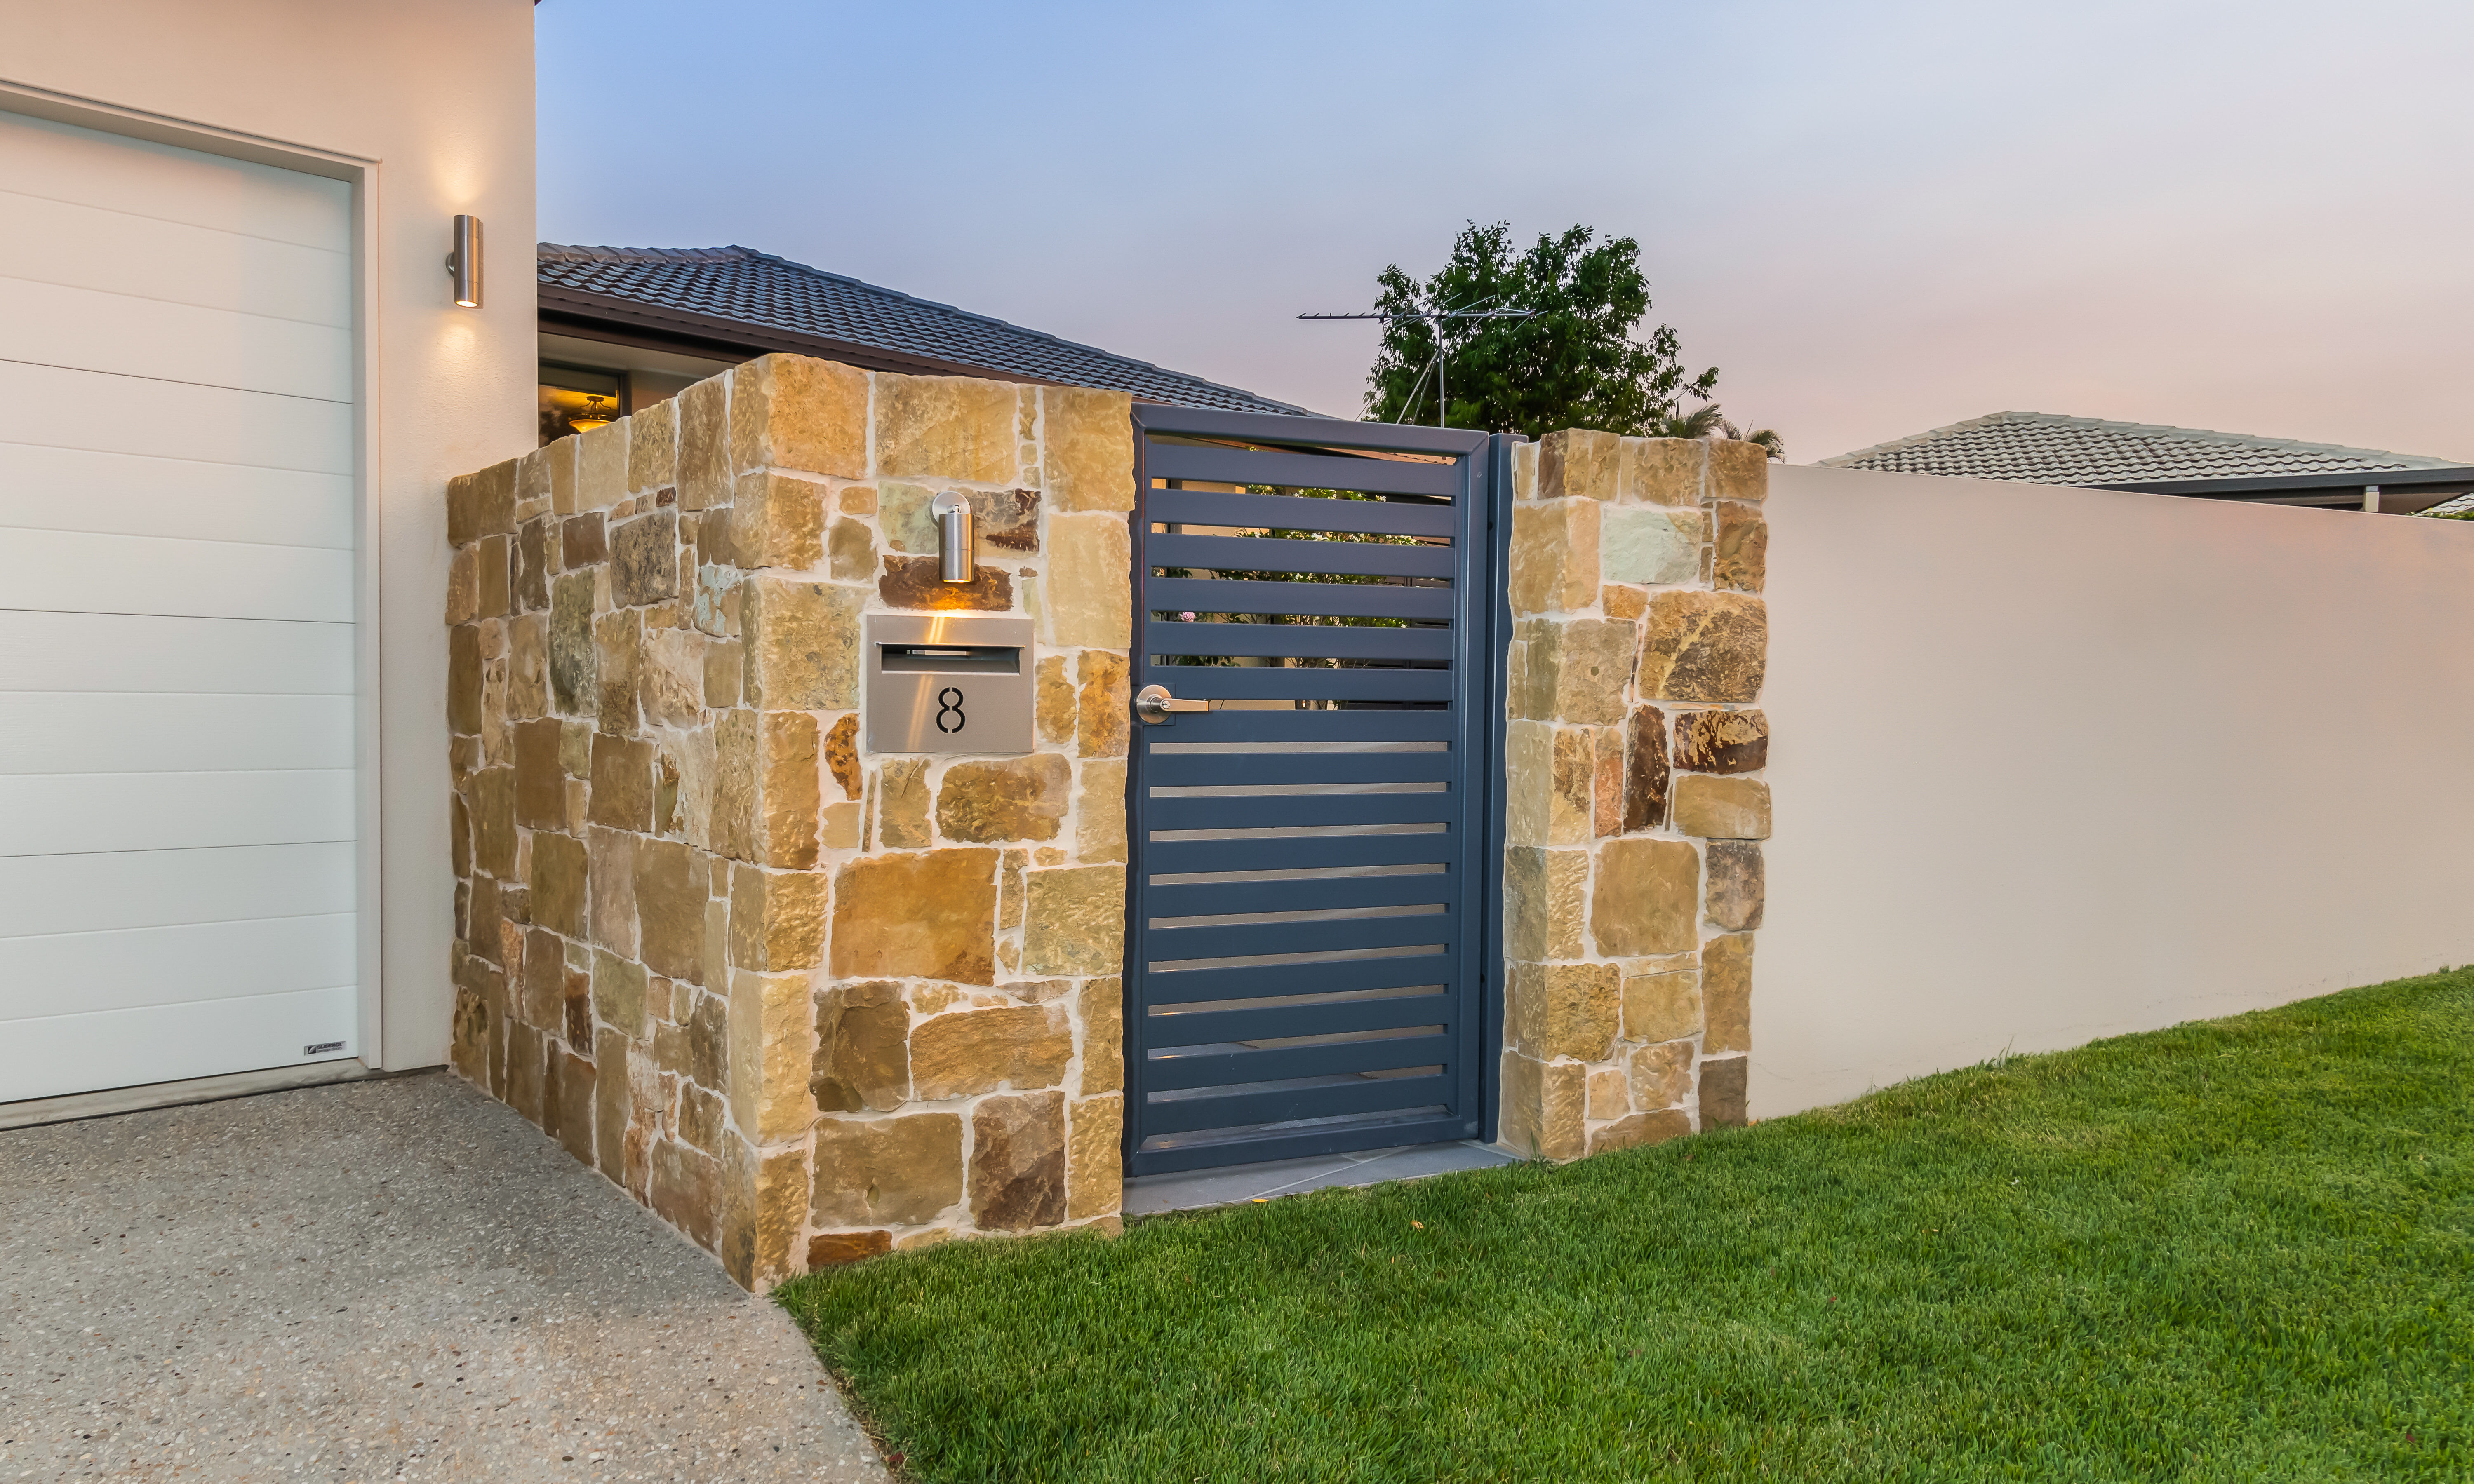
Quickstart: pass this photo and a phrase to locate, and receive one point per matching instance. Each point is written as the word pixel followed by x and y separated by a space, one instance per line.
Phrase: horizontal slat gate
pixel 1305 940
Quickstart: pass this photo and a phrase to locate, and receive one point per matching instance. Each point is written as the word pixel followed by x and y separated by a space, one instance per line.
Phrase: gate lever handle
pixel 1154 704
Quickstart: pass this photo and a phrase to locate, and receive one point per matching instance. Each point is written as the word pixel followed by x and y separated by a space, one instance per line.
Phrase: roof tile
pixel 2049 448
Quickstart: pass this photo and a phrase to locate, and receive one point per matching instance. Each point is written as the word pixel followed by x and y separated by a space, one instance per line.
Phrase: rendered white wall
pixel 2056 764
pixel 441 95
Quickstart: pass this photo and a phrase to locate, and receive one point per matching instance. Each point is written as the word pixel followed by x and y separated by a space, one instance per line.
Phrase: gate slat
pixel 1298 513
pixel 1182 857
pixel 1311 600
pixel 1318 894
pixel 1374 1095
pixel 1184 986
pixel 1270 554
pixel 1301 471
pixel 1172 944
pixel 1278 1063
pixel 1291 726
pixel 1245 683
pixel 1203 1027
pixel 1318 641
pixel 1301 811
pixel 1253 770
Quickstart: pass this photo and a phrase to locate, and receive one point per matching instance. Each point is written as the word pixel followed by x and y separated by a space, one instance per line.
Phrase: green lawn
pixel 2236 1250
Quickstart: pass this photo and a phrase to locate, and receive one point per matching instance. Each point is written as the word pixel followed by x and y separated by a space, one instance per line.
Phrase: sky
pixel 1873 219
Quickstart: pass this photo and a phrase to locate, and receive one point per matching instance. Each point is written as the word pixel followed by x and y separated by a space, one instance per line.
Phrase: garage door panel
pixel 120 1048
pixel 120 889
pixel 123 494
pixel 82 247
pixel 106 652
pixel 133 969
pixel 53 407
pixel 52 814
pixel 78 572
pixel 73 731
pixel 93 330
pixel 64 162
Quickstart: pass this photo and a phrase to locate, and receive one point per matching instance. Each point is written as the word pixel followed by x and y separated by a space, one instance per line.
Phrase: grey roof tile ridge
pixel 736 252
pixel 2207 437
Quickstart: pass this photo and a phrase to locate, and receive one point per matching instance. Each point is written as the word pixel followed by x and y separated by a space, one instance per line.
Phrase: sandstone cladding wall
pixel 1635 806
pixel 805 1002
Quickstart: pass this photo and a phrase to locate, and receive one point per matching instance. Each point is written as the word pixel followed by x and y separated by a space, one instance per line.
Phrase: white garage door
pixel 176 616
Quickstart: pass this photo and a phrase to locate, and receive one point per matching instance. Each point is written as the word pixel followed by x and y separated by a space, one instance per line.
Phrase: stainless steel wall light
pixel 956 536
pixel 464 264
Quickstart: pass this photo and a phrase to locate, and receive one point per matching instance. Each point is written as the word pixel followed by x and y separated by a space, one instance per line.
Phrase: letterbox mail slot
pixel 947 683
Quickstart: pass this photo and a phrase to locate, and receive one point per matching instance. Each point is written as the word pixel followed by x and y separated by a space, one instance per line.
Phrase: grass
pixel 2239 1248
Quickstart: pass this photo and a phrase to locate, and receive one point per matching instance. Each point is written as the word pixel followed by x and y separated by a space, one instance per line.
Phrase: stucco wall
pixel 439 98
pixel 2065 763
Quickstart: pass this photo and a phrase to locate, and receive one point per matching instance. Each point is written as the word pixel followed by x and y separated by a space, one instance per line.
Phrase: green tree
pixel 1576 362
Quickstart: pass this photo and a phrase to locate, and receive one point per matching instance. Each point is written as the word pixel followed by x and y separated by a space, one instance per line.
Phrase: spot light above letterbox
pixel 948 683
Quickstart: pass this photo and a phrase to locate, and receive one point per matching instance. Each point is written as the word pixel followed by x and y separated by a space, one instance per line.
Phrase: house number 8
pixel 949 702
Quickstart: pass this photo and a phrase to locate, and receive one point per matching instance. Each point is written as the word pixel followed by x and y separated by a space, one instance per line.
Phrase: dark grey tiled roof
pixel 2048 448
pixel 760 289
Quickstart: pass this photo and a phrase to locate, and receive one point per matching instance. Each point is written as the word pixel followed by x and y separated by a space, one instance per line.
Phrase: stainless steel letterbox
pixel 948 683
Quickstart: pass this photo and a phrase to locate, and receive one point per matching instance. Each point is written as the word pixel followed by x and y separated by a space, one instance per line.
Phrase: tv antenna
pixel 1443 398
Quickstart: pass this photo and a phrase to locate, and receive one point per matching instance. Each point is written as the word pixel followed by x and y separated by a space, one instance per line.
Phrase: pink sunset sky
pixel 1875 218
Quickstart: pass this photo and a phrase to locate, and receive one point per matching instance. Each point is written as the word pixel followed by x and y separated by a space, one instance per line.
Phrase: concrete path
pixel 392 1280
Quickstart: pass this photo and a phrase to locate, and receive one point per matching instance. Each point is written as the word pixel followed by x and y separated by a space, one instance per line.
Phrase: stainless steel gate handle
pixel 1154 704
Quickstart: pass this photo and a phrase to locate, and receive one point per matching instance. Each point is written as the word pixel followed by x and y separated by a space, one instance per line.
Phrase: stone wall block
pixel 1647 898
pixel 1053 700
pixel 704 443
pixel 966 1052
pixel 794 411
pixel 1086 600
pixel 777 918
pixel 930 915
pixel 1722 1092
pixel 1087 449
pixel 1662 1004
pixel 557 883
pixel 1722 741
pixel 841 755
pixel 1647 780
pixel 1641 1129
pixel 653 447
pixel 1543 1106
pixel 1736 884
pixel 620 990
pixel 917 583
pixel 644 558
pixel 464 585
pixel 772 1029
pixel 497 577
pixel 1716 807
pixel 903 804
pixel 622 782
pixel 1545 896
pixel 464 680
pixel 574 680
pixel 947 427
pixel 1100 812
pixel 673 674
pixel 1104 703
pixel 611 890
pixel 905 1171
pixel 601 465
pixel 619 662
pixel 767 1204
pixel 1741 556
pixel 1739 470
pixel 1104 1036
pixel 1661 1076
pixel 778 520
pixel 1727 992
pixel 1018 1162
pixel 1577 670
pixel 802 644
pixel 1706 647
pixel 862 1061
pixel 568 1100
pixel 528 666
pixel 1074 921
pixel 1578 462
pixel 790 788
pixel 1667 471
pixel 1005 523
pixel 540 783
pixel 1564 1010
pixel 670 893
pixel 493 821
pixel 686 1190
pixel 1649 547
pixel 494 494
pixel 1554 555
pixel 1094 1182
pixel 1006 799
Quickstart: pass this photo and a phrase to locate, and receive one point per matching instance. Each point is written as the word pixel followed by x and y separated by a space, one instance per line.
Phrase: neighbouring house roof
pixel 2463 505
pixel 740 298
pixel 2049 448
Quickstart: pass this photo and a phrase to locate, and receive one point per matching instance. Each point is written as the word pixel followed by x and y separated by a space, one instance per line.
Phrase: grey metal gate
pixel 1313 795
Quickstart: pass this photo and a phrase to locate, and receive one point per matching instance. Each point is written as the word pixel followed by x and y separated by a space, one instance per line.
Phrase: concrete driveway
pixel 384 1280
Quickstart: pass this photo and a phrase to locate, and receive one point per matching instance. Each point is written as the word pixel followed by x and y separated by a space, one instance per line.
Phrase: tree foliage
pixel 1578 362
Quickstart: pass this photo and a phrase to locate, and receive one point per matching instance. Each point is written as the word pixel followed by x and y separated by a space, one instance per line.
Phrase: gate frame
pixel 1484 650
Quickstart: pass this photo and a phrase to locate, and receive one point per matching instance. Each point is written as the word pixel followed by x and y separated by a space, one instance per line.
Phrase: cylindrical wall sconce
pixel 957 540
pixel 464 264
